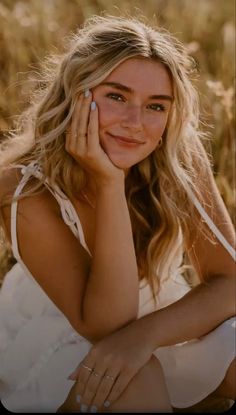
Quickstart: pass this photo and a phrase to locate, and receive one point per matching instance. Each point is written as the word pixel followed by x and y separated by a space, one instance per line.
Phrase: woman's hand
pixel 109 366
pixel 82 142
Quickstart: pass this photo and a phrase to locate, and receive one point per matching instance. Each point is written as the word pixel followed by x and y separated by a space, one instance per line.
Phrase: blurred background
pixel 31 29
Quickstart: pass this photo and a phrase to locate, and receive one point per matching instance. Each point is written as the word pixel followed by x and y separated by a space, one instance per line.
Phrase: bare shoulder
pixel 9 181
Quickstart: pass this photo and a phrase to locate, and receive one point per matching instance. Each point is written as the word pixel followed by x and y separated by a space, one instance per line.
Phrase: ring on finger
pixel 96 374
pixel 110 377
pixel 79 135
pixel 87 367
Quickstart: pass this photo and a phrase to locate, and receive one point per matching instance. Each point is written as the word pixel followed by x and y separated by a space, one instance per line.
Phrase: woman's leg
pixel 146 392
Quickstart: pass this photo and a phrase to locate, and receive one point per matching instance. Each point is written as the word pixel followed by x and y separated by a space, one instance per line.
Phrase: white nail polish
pixel 93 105
pixel 83 408
pixel 86 93
pixel 106 404
pixel 93 409
pixel 78 398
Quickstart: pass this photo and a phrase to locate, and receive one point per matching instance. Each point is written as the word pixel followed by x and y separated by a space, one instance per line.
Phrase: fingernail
pixel 93 409
pixel 78 398
pixel 93 105
pixel 83 408
pixel 86 93
pixel 106 404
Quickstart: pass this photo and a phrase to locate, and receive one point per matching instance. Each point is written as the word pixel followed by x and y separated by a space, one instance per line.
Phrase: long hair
pixel 157 187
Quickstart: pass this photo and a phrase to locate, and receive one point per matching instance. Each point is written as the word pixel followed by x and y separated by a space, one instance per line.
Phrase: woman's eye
pixel 116 97
pixel 157 107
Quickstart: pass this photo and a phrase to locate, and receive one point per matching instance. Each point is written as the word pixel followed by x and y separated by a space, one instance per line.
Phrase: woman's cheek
pixel 158 127
pixel 108 114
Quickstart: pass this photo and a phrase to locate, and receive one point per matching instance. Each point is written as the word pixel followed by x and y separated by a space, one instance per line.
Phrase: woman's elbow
pixel 95 330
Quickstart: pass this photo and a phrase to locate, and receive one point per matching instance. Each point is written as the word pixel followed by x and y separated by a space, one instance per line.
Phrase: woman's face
pixel 133 102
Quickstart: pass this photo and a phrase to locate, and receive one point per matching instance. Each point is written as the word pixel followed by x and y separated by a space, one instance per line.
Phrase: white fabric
pixel 39 348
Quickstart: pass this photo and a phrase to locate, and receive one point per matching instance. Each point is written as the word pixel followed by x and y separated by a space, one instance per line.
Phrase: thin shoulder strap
pixel 212 226
pixel 69 214
pixel 68 211
pixel 14 242
pixel 32 169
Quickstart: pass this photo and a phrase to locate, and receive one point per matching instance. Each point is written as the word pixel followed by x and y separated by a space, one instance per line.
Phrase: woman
pixel 101 193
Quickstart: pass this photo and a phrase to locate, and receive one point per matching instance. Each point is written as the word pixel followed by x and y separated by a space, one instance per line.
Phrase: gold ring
pixel 86 367
pixel 80 135
pixel 109 377
pixel 96 374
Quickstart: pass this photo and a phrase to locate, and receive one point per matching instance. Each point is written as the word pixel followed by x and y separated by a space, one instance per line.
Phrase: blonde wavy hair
pixel 157 188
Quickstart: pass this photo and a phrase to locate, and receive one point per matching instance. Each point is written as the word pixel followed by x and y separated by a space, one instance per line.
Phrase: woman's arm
pixel 197 313
pixel 112 290
pixel 111 296
pixel 214 299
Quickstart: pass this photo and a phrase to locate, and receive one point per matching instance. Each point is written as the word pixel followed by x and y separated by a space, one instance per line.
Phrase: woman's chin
pixel 121 160
pixel 121 163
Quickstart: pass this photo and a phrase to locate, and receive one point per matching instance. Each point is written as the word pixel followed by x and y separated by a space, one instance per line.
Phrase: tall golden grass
pixel 30 29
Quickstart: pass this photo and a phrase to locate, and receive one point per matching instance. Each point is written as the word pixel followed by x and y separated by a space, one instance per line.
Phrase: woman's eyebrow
pixel 125 88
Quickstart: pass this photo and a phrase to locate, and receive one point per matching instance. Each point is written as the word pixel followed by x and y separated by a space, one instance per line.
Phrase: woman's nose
pixel 133 118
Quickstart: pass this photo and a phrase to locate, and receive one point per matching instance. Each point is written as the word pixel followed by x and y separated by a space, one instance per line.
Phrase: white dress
pixel 39 348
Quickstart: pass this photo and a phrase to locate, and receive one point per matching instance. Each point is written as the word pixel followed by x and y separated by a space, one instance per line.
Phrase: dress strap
pixel 212 226
pixel 68 211
pixel 69 214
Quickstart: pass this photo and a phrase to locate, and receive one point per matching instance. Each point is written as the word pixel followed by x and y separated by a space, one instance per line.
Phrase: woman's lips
pixel 126 141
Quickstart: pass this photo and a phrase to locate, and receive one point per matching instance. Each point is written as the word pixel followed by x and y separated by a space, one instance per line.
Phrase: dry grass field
pixel 30 29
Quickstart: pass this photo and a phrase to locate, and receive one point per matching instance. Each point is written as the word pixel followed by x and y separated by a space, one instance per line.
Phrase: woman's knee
pixel 146 392
pixel 154 368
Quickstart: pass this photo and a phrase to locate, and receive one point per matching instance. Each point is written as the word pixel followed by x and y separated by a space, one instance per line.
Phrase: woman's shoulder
pixel 42 198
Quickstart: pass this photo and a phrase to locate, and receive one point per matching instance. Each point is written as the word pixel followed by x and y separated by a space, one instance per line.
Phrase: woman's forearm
pixel 194 315
pixel 111 297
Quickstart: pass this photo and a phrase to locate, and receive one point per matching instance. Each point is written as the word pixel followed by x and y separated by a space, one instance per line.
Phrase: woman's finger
pixel 117 389
pixel 70 142
pixel 104 389
pixel 75 121
pixel 93 129
pixel 76 141
pixel 84 372
pixel 83 119
pixel 90 389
